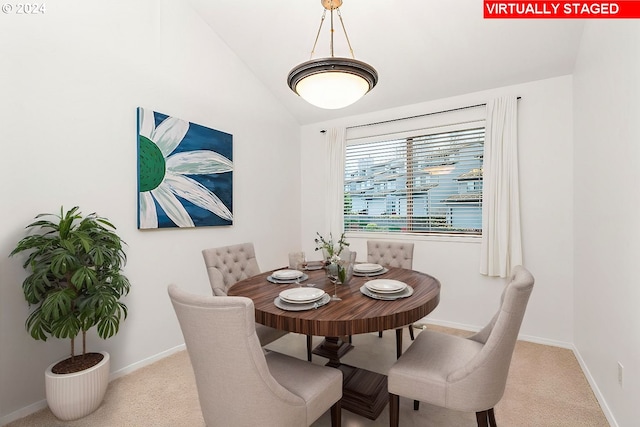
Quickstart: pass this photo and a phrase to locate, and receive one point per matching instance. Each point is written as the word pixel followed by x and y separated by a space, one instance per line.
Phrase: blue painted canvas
pixel 185 173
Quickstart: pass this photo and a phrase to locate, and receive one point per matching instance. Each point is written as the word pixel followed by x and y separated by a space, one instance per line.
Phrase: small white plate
pixel 286 274
pixel 314 265
pixel 385 286
pixel 367 268
pixel 301 295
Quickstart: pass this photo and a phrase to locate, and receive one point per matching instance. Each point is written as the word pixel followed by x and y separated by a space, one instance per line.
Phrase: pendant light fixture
pixel 332 82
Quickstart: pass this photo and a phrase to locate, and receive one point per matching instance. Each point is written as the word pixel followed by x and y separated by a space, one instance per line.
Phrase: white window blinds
pixel 426 180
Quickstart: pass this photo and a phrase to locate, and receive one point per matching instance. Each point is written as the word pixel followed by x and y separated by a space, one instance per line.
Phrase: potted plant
pixel 75 283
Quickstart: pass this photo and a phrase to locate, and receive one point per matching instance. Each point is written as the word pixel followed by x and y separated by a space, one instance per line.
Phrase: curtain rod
pixel 419 115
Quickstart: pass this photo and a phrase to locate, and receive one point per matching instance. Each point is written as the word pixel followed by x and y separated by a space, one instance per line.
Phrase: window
pixel 425 183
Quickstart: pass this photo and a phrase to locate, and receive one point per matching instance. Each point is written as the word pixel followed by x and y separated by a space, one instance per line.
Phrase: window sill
pixel 414 237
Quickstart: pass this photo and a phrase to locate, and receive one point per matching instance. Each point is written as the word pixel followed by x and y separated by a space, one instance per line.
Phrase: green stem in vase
pixel 342 274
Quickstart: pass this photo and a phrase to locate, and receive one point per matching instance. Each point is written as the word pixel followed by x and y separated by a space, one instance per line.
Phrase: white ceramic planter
pixel 73 396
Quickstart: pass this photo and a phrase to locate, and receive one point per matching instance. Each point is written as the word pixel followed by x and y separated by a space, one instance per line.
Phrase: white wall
pixel 71 82
pixel 546 170
pixel 607 202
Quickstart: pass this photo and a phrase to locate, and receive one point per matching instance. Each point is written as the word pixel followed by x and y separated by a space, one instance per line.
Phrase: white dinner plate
pixel 301 295
pixel 367 268
pixel 375 273
pixel 287 281
pixel 302 307
pixel 406 292
pixel 385 286
pixel 286 274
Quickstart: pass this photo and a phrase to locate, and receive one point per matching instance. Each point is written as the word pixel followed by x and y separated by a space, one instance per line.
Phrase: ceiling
pixel 422 49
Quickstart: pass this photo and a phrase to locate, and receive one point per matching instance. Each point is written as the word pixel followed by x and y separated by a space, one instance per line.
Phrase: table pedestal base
pixel 363 392
pixel 333 348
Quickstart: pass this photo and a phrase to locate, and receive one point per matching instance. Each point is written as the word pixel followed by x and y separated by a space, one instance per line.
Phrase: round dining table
pixel 364 392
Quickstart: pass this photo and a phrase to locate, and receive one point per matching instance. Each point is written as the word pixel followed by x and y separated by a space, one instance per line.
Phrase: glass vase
pixel 345 267
pixel 341 272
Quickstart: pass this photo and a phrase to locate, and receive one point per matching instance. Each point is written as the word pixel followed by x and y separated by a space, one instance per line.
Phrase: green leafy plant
pixel 330 249
pixel 76 279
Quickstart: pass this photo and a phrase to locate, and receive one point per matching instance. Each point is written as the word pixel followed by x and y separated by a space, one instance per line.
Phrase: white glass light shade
pixel 332 89
pixel 332 83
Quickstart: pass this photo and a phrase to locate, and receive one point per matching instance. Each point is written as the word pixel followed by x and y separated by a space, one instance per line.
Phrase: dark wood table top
pixel 355 314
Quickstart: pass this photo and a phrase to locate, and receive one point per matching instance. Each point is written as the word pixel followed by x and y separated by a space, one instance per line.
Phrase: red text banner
pixel 561 9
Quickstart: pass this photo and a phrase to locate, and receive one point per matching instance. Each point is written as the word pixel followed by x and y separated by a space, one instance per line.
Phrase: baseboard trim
pixel 142 363
pixel 23 412
pixel 446 324
pixel 594 387
pixel 471 328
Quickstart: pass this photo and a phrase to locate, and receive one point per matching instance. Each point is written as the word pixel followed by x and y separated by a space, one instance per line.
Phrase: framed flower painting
pixel 185 173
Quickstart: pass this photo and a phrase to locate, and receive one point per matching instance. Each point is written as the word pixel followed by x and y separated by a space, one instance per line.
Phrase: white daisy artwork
pixel 185 173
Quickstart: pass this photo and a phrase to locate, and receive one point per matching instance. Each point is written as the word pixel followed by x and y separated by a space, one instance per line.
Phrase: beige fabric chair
pixel 227 265
pixel 238 384
pixel 464 374
pixel 392 254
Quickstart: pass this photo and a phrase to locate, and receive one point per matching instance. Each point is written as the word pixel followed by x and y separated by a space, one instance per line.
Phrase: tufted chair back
pixel 228 264
pixel 390 254
pixel 238 383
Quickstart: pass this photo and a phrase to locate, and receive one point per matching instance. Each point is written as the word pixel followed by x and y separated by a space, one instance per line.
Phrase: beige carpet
pixel 545 388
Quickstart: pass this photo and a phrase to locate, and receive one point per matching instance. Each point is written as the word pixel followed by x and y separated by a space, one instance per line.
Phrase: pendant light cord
pixel 344 30
pixel 331 35
pixel 315 43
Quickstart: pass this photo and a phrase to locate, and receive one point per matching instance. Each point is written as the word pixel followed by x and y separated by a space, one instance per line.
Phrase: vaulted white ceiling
pixel 422 49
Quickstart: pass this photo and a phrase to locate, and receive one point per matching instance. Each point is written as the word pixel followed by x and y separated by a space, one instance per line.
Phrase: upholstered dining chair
pixel 391 254
pixel 464 374
pixel 226 265
pixel 238 383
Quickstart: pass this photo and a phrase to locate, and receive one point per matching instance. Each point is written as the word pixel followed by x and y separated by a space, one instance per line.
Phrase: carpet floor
pixel 546 387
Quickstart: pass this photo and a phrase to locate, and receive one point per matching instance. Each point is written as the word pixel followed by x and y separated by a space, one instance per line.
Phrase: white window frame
pixel 412 128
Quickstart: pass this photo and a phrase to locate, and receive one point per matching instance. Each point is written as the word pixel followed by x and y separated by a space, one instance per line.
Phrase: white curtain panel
pixel 501 247
pixel 336 144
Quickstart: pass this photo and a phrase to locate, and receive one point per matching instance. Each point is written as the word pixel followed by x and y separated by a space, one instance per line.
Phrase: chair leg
pixel 411 332
pixel 482 418
pixel 394 410
pixel 379 334
pixel 309 344
pixel 398 343
pixel 492 418
pixel 416 405
pixel 336 415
